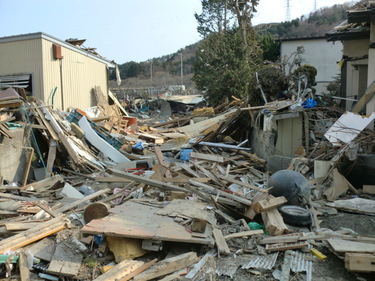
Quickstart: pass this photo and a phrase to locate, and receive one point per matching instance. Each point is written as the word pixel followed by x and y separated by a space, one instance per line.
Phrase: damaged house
pixel 58 72
pixel 358 61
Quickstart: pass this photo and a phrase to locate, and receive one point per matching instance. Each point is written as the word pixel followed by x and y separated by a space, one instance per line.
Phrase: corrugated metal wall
pixel 24 56
pixel 80 74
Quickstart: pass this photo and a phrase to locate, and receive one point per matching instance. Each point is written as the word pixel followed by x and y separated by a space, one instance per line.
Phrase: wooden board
pixel 136 220
pixel 221 244
pixel 209 157
pixel 120 270
pixel 268 204
pixel 65 261
pixel 274 222
pixel 167 266
pixel 360 262
pixel 244 234
pixel 340 245
pixel 285 246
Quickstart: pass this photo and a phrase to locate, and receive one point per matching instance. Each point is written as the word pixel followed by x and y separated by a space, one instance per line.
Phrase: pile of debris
pixel 100 195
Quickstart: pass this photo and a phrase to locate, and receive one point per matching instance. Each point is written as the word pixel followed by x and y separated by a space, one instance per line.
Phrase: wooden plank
pixel 24 269
pixel 51 156
pixel 221 244
pixel 274 222
pixel 66 261
pixel 46 123
pixel 139 270
pixel 220 192
pixel 268 204
pixel 121 270
pixel 80 201
pixel 20 225
pixel 33 234
pixel 209 157
pixel 244 234
pixel 144 180
pixel 340 246
pixel 248 185
pixel 168 266
pixel 360 262
pixel 285 246
pixel 159 155
pixel 249 212
pixel 143 221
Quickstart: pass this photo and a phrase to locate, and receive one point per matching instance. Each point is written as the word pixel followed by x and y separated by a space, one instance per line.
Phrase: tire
pixel 295 215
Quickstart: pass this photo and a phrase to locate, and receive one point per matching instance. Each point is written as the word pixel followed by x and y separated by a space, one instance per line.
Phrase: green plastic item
pixel 4 258
pixel 255 226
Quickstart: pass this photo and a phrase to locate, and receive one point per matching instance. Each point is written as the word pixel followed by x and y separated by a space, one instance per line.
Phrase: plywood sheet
pixel 136 220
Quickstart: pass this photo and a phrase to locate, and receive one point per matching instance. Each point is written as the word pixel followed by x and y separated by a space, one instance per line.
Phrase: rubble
pixel 99 194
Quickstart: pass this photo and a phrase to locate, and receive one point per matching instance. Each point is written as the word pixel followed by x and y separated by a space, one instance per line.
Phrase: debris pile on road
pixel 98 194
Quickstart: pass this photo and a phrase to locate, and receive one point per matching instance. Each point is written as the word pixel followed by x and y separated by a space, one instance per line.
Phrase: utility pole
pixel 182 73
pixel 151 71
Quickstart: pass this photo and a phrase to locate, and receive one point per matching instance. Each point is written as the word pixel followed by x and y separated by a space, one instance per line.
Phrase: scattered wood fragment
pixel 360 262
pixel 274 222
pixel 167 266
pixel 268 204
pixel 120 271
pixel 285 246
pixel 33 234
pixel 244 234
pixel 221 244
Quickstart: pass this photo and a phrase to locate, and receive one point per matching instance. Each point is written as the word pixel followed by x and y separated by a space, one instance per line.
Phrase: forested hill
pixel 168 68
pixel 315 24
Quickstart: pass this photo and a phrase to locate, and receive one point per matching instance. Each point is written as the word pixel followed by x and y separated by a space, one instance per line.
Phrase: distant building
pixel 319 53
pixel 52 70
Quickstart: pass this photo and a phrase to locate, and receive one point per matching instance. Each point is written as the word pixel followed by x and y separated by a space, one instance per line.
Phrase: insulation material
pixel 348 127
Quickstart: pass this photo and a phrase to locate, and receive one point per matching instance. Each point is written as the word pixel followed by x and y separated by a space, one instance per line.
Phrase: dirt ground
pixel 330 269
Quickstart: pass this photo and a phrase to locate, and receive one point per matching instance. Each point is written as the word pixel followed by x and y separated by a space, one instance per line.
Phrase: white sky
pixel 128 30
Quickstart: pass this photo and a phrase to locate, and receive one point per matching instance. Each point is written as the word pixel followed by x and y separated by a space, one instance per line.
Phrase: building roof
pixel 303 38
pixel 55 40
pixel 357 26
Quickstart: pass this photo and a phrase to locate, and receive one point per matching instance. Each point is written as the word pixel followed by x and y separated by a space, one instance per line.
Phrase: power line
pixel 287 15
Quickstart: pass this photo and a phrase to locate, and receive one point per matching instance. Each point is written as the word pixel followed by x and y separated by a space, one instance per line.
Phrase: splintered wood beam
pixel 33 234
pixel 220 192
pixel 221 244
pixel 268 204
pixel 159 184
pixel 248 185
pixel 80 201
pixel 167 266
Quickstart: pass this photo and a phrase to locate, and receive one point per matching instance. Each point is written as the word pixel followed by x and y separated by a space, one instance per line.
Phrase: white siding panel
pixel 23 56
pixel 80 74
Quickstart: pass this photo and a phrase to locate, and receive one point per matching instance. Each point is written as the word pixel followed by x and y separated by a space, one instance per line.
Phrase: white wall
pixel 319 53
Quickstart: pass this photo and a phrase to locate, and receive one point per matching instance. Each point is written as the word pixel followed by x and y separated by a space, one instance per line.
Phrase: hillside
pixel 155 75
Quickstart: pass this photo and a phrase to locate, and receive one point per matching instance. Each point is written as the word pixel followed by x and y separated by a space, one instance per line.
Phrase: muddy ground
pixel 330 269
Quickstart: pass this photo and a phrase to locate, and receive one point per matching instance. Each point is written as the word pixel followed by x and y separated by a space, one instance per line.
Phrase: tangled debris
pixel 100 195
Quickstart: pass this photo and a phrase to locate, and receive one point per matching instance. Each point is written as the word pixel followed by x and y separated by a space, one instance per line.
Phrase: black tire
pixel 295 215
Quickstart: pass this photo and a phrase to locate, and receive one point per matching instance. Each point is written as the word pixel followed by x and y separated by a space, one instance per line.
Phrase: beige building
pixel 358 60
pixel 59 73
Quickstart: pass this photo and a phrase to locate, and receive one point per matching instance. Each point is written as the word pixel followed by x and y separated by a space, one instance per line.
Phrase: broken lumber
pixel 360 262
pixel 33 234
pixel 244 234
pixel 121 270
pixel 221 244
pixel 159 184
pixel 274 222
pixel 167 266
pixel 268 204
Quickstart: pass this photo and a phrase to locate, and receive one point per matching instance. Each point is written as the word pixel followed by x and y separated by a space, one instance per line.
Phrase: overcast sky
pixel 128 30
